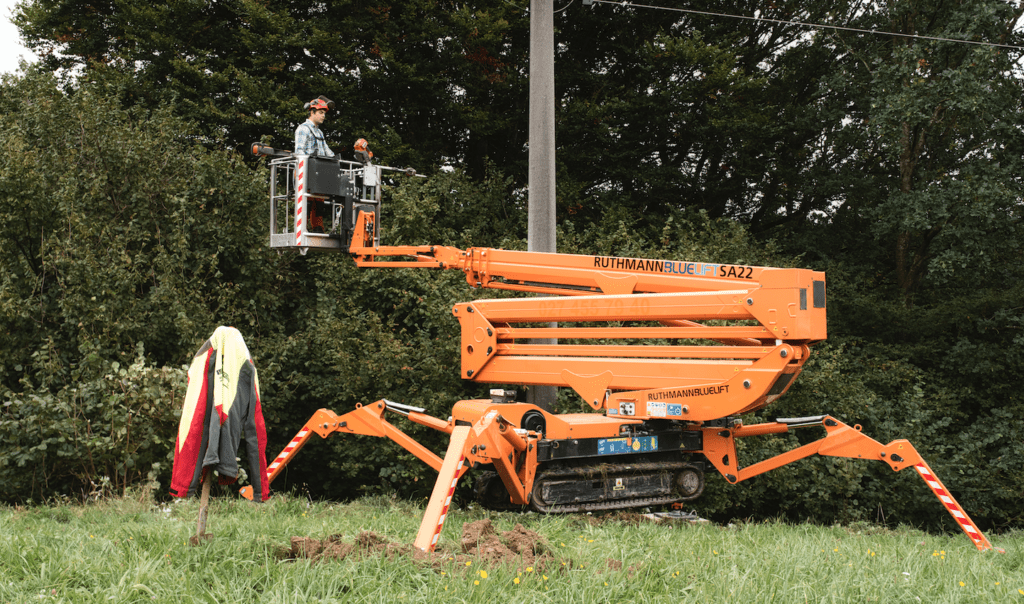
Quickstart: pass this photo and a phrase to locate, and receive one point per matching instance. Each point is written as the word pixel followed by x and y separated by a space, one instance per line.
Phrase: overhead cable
pixel 804 23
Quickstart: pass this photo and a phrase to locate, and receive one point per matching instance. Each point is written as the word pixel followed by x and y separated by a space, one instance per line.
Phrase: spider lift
pixel 669 354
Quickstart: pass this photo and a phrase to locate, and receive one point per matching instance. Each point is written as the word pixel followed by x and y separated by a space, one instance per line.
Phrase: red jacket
pixel 222 403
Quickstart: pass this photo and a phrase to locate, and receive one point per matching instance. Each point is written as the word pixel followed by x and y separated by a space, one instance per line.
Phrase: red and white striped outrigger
pixel 490 440
pixel 962 519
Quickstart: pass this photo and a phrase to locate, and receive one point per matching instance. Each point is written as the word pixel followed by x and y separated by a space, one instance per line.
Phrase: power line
pixel 804 23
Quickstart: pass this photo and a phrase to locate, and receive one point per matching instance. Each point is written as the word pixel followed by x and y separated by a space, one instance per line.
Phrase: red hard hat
pixel 317 104
pixel 321 102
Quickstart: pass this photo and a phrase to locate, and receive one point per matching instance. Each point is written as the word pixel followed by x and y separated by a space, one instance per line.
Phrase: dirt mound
pixel 334 548
pixel 519 547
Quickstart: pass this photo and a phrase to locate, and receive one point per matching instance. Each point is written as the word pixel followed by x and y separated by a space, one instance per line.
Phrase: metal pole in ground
pixel 541 219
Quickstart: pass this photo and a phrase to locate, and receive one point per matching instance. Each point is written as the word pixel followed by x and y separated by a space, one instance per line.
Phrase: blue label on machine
pixel 627 444
pixel 675 410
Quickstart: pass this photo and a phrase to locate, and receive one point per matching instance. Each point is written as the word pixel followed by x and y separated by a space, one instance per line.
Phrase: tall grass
pixel 129 550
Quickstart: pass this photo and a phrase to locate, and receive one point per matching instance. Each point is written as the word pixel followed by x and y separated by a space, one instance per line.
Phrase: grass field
pixel 128 550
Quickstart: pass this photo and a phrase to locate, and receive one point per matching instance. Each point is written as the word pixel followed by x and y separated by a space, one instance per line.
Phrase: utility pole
pixel 541 182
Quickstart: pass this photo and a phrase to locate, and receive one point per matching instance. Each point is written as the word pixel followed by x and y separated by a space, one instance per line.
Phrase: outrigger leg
pixel 490 440
pixel 841 441
pixel 441 498
pixel 367 420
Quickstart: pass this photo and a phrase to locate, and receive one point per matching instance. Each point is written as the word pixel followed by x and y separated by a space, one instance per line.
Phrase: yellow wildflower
pixel 516 580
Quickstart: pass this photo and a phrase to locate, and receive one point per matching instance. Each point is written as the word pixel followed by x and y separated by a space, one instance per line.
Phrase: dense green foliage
pixel 122 243
pixel 129 229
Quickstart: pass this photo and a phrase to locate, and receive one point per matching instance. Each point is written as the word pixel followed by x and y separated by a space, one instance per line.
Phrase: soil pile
pixel 519 547
pixel 335 548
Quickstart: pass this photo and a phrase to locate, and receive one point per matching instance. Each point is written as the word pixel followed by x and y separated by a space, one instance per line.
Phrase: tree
pixel 923 240
pixel 427 82
pixel 667 110
pixel 934 127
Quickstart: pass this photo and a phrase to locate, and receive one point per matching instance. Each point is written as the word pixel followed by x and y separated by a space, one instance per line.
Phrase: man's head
pixel 318 109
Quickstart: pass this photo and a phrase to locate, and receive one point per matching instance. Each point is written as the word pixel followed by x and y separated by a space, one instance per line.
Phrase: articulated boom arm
pixel 574 275
pixel 765 319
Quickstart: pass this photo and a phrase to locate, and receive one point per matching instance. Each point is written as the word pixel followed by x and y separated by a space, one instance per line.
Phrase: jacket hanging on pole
pixel 222 403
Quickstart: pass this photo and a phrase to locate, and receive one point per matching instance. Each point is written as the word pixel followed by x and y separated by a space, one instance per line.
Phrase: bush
pixel 113 431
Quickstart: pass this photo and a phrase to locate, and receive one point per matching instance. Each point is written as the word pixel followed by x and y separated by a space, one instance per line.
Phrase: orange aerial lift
pixel 669 354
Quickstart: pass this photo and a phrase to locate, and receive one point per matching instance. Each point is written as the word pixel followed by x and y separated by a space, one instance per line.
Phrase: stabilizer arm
pixel 365 420
pixel 841 441
pixel 490 440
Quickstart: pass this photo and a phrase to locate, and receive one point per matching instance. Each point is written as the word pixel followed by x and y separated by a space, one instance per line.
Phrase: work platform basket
pixel 314 201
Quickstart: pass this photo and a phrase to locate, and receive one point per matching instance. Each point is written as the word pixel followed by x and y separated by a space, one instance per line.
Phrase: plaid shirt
pixel 309 140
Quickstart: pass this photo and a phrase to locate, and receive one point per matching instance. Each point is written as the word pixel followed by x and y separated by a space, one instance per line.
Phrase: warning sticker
pixel 656 409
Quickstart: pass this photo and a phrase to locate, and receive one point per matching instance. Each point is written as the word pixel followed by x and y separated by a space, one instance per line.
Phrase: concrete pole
pixel 541 219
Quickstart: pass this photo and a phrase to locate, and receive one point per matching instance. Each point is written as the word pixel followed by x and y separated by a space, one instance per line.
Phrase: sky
pixel 10 41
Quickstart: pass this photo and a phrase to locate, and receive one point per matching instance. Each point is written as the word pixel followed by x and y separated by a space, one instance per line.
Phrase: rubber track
pixel 591 471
